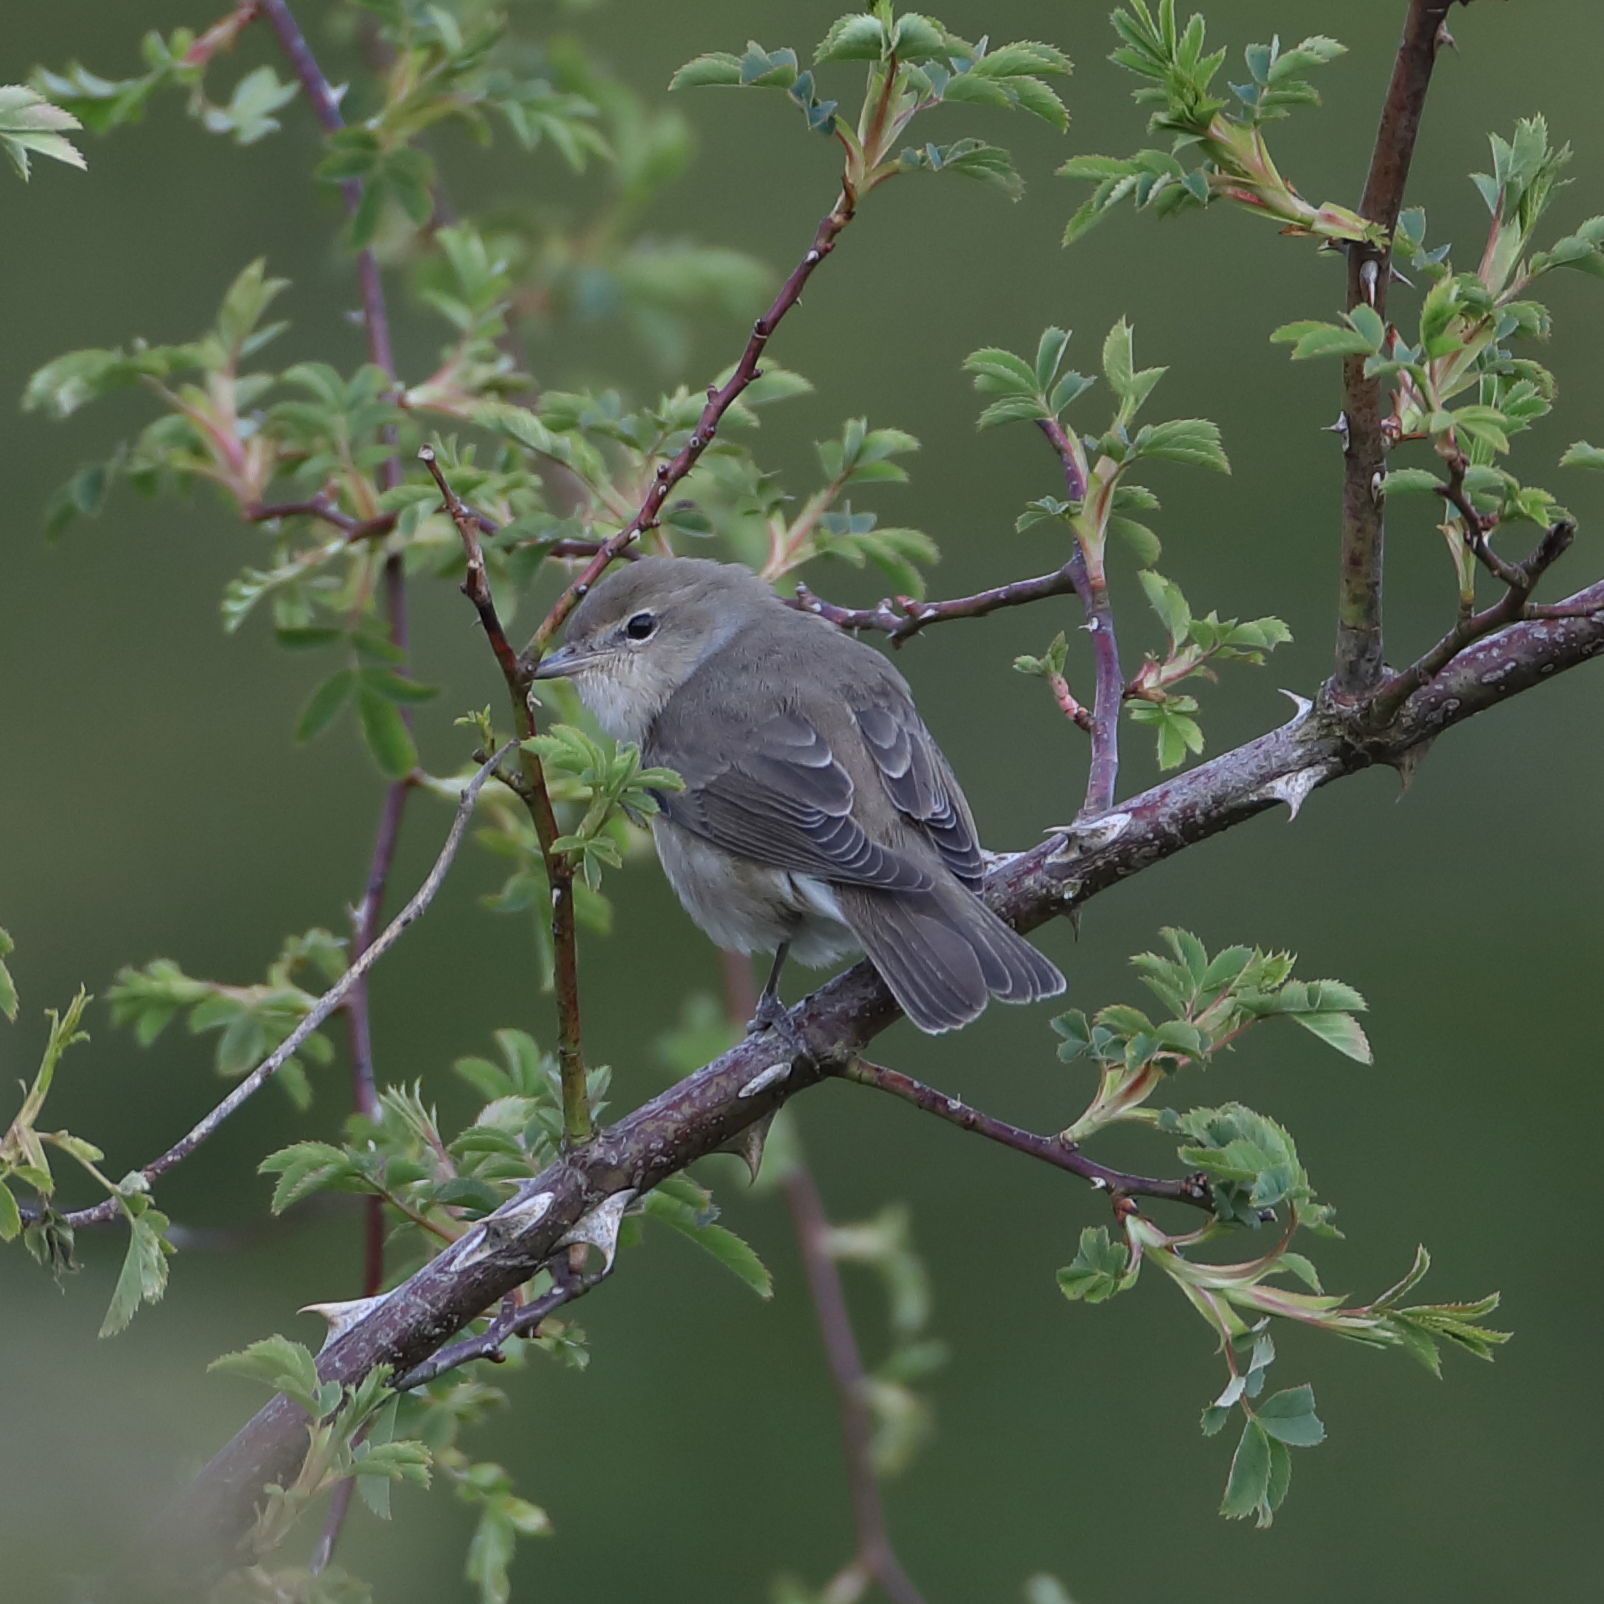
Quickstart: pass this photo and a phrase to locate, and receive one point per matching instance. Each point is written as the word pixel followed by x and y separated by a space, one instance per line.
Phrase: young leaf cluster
pixel 1192 647
pixel 1254 1175
pixel 1210 1001
pixel 1229 155
pixel 176 61
pixel 30 126
pixel 1456 380
pixel 248 1020
pixel 612 785
pixel 914 64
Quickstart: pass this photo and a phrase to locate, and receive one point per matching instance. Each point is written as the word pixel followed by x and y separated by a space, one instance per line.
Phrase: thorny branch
pixel 333 998
pixel 1522 580
pixel 1052 1150
pixel 1359 666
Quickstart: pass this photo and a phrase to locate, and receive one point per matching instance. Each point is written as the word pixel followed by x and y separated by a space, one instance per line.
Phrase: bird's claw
pixel 772 1014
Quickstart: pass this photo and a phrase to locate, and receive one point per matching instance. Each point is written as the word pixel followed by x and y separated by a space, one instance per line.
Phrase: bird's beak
pixel 563 663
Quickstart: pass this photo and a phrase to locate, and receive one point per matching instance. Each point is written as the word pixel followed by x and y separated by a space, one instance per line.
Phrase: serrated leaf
pixel 1341 1031
pixel 143 1278
pixel 1247 1488
pixel 279 1365
pixel 1289 1417
pixel 1195 441
pixel 1410 481
pixel 718 67
pixel 1582 455
pixel 859 36
pixel 724 1245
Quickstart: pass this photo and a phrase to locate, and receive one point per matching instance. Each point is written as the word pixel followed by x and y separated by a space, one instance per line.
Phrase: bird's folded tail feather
pixel 943 953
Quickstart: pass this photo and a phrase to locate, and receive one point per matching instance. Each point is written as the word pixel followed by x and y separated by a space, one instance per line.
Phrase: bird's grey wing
pixel 784 801
pixel 920 784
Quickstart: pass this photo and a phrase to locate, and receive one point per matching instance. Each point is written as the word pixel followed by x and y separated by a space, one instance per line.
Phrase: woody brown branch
pixel 1359 668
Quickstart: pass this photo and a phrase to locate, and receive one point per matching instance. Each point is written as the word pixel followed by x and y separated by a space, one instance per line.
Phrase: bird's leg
pixel 770 1010
pixel 772 1014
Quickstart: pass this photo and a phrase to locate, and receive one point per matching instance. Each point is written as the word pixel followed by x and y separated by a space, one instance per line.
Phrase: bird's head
pixel 645 629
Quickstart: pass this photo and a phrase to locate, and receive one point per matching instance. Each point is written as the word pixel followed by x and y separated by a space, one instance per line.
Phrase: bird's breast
pixel 747 906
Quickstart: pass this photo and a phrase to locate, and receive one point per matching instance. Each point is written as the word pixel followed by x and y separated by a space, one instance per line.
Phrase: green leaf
pixel 144 1273
pixel 999 372
pixel 1195 441
pixel 1339 1030
pixel 1248 1487
pixel 1368 323
pixel 279 1365
pixel 724 1245
pixel 1410 481
pixel 31 126
pixel 8 987
pixel 324 704
pixel 1289 1417
pixel 859 36
pixel 1101 1267
pixel 1581 455
pixel 304 1168
pixel 386 733
pixel 1321 339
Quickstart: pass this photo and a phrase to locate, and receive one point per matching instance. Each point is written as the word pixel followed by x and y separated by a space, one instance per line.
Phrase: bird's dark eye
pixel 641 626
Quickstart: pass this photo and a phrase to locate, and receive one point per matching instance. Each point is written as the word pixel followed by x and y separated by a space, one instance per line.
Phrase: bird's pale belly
pixel 747 907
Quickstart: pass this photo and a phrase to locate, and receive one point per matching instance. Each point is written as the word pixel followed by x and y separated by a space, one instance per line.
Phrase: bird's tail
pixel 943 953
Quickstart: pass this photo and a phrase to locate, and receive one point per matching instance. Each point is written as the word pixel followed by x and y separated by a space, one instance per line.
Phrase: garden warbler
pixel 818 815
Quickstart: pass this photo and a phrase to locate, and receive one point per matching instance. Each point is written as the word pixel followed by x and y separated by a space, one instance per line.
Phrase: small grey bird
pixel 818 815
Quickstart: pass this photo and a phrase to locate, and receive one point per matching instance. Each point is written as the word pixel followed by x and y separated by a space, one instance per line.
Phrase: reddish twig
pixel 1512 606
pixel 354 529
pixel 536 796
pixel 908 616
pixel 1477 527
pixel 1075 711
pixel 1109 686
pixel 365 921
pixel 476 582
pixel 1052 1150
pixel 331 1000
pixel 719 399
pixel 1359 666
pixel 523 1320
pixel 874 1558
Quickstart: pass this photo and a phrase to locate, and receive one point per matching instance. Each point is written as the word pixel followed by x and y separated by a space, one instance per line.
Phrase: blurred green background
pixel 153 804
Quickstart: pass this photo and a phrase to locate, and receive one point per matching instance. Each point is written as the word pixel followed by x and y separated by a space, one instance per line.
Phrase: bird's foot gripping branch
pixel 504 1219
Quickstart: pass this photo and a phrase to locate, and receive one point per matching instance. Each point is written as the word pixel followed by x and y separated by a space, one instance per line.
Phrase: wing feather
pixel 921 785
pixel 786 802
